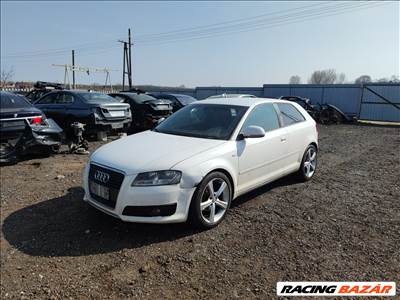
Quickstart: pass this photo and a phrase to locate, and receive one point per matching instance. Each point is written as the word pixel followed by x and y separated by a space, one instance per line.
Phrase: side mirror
pixel 252 132
pixel 160 121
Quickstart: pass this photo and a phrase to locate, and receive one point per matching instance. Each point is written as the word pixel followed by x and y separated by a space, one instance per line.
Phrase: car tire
pixel 308 163
pixel 207 211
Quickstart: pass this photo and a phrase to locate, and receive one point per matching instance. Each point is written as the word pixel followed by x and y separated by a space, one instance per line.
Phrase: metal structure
pixel 380 102
pixel 372 101
pixel 127 61
pixel 72 68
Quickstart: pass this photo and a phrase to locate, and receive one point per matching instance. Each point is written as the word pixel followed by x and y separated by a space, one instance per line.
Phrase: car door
pixel 46 104
pixel 262 159
pixel 297 129
pixel 66 111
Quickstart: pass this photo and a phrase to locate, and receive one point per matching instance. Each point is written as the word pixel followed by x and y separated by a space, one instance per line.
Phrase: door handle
pixel 283 139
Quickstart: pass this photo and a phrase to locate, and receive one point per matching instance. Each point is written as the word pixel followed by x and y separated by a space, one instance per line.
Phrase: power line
pixel 83 46
pixel 299 14
pixel 262 25
pixel 184 30
pixel 63 55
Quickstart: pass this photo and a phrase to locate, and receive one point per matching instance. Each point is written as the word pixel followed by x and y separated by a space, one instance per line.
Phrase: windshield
pixel 9 100
pixel 141 98
pixel 97 97
pixel 210 121
pixel 184 99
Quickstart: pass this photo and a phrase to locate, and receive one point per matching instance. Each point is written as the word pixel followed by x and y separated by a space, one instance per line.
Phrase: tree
pixel 295 79
pixel 6 76
pixel 363 79
pixel 392 79
pixel 327 76
pixel 341 78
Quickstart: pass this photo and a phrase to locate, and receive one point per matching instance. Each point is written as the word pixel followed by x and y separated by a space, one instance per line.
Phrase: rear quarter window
pixel 290 114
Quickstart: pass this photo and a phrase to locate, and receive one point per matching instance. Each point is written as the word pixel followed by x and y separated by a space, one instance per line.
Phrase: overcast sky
pixel 290 38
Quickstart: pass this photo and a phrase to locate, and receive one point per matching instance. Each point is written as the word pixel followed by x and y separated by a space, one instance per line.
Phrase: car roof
pixel 225 95
pixel 130 93
pixel 239 101
pixel 173 94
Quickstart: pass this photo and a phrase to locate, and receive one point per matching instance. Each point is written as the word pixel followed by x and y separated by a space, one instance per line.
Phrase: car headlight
pixel 166 177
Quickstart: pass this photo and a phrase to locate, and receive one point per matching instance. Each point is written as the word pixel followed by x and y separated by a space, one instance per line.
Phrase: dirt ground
pixel 342 225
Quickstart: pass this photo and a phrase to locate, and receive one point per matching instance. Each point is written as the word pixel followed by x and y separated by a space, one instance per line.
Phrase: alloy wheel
pixel 310 162
pixel 214 200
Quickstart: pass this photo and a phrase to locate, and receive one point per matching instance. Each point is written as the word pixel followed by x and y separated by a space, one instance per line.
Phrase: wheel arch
pixel 314 144
pixel 225 172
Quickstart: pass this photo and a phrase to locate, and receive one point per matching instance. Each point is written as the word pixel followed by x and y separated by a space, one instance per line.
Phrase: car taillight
pixel 36 120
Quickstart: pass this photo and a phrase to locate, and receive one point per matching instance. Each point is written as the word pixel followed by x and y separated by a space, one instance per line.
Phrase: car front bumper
pixel 144 197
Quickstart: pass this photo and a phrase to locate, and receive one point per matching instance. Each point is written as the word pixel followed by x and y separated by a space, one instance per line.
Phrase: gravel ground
pixel 342 225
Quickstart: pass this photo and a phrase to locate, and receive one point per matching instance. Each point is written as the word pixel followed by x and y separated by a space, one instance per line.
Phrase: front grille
pixel 150 211
pixel 113 184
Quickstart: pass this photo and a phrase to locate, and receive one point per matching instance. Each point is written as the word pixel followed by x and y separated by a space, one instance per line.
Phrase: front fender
pixel 193 175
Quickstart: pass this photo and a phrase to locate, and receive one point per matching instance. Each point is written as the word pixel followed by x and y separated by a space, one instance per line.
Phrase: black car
pixel 177 100
pixel 146 110
pixel 98 111
pixel 324 114
pixel 23 127
pixel 42 88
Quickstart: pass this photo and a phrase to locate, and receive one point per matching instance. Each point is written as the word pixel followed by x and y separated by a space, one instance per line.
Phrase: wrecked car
pixel 99 112
pixel 322 113
pixel 147 111
pixel 177 100
pixel 42 88
pixel 25 129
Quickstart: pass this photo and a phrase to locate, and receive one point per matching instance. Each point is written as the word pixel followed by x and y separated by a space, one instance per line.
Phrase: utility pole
pixel 125 57
pixel 130 59
pixel 127 61
pixel 73 69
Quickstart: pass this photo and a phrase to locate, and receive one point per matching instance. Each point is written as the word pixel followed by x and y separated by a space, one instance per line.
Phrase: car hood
pixel 150 151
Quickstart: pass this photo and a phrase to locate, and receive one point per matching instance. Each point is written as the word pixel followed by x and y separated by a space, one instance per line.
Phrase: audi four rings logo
pixel 102 176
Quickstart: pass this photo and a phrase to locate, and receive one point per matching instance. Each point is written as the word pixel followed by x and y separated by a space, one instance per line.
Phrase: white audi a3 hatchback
pixel 193 164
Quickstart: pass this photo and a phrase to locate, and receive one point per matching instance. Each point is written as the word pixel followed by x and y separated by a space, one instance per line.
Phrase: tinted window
pixel 97 97
pixel 65 99
pixel 263 115
pixel 211 121
pixel 185 100
pixel 9 100
pixel 48 99
pixel 290 114
pixel 141 98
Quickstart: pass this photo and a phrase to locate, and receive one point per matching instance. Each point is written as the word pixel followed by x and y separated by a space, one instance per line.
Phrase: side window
pixel 290 114
pixel 49 99
pixel 65 99
pixel 263 115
